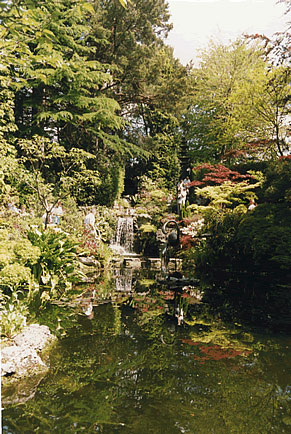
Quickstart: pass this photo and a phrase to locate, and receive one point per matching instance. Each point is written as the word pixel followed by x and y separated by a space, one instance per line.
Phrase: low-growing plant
pixel 14 312
pixel 91 246
pixel 17 255
pixel 15 275
pixel 57 264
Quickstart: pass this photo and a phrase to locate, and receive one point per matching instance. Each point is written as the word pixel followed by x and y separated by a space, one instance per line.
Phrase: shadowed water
pixel 130 368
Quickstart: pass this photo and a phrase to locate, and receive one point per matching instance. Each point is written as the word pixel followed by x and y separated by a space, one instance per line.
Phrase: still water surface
pixel 129 368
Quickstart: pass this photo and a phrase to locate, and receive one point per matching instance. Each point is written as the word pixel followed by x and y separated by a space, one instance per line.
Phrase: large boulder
pixel 35 336
pixel 20 361
pixel 23 356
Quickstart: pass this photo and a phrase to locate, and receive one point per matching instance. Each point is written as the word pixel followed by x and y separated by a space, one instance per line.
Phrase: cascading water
pixel 123 242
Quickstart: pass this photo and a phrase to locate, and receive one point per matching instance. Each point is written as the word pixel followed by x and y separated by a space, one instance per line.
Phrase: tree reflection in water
pixel 133 369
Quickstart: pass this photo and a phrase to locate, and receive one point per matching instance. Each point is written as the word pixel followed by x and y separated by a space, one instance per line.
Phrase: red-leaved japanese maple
pixel 216 175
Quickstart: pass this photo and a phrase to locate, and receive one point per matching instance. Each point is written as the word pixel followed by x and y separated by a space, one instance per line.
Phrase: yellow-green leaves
pixel 123 3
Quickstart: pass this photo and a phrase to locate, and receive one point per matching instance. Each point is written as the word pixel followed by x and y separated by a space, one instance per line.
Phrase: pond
pixel 127 366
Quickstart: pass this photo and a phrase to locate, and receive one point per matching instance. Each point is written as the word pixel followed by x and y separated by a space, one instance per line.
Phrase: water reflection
pixel 132 369
pixel 123 279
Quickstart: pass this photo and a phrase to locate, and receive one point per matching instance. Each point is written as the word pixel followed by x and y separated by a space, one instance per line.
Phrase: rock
pixel 132 262
pixel 154 263
pixel 22 358
pixel 18 361
pixel 35 336
pixel 89 261
pixel 22 390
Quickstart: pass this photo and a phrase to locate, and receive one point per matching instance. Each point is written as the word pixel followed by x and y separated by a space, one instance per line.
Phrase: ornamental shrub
pixel 277 187
pixel 56 265
pixel 25 252
pixel 15 275
pixel 17 254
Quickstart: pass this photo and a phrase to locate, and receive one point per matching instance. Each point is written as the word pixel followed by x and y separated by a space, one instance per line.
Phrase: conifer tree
pixel 58 88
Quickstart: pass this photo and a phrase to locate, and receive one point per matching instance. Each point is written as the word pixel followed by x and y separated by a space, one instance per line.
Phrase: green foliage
pixel 276 188
pixel 56 62
pixel 119 173
pixel 135 50
pixel 246 259
pixel 266 234
pixel 210 130
pixel 15 275
pixel 55 171
pixel 26 253
pixel 105 222
pixel 152 199
pixel 148 228
pixel 149 84
pixel 239 106
pixel 56 266
pixel 245 262
pixel 226 196
pixel 14 314
pixel 262 119
pixel 17 256
pixel 9 166
pixel 164 163
pixel 147 240
pixel 52 77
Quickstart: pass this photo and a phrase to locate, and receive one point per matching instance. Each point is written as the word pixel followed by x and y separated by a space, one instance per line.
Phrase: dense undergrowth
pixel 244 263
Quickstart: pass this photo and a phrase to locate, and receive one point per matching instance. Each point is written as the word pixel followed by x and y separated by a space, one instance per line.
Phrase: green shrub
pixel 147 239
pixel 265 235
pixel 277 187
pixel 56 265
pixel 14 275
pixel 6 256
pixel 246 260
pixel 25 252
pixel 13 315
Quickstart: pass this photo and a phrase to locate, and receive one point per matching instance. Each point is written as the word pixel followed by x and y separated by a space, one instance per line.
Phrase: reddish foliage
pixel 218 174
pixel 195 183
pixel 189 342
pixel 187 241
pixel 214 352
pixel 233 153
pixel 89 242
pixel 169 295
pixel 285 157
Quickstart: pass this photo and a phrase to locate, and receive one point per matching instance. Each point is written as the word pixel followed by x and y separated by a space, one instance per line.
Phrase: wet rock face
pixel 22 358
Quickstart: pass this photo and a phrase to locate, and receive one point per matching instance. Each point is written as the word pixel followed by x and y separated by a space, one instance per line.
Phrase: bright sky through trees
pixel 196 21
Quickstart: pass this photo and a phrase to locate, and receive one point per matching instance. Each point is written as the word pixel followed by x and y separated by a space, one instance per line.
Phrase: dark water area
pixel 146 360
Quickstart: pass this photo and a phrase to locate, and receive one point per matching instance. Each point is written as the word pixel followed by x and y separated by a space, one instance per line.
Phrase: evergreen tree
pixel 58 87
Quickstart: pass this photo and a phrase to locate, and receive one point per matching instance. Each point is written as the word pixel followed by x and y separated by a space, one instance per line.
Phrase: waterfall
pixel 124 235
